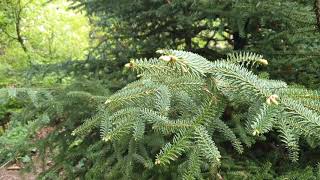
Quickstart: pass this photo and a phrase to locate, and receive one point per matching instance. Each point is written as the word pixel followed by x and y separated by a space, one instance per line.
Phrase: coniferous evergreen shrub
pixel 184 117
pixel 168 123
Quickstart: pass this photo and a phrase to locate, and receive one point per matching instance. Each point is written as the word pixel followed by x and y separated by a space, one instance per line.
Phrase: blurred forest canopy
pixel 33 32
pixel 62 64
pixel 132 29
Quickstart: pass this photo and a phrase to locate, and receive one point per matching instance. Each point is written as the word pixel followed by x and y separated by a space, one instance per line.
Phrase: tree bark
pixel 238 41
pixel 18 25
pixel 19 36
pixel 188 42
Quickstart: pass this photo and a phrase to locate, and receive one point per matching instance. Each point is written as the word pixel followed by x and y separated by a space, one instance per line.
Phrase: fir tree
pixel 176 106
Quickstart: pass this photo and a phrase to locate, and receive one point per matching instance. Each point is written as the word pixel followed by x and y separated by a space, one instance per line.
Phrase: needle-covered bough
pixel 171 117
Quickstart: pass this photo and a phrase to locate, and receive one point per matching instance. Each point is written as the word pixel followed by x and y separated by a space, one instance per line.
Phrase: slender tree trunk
pixel 238 41
pixel 18 25
pixel 19 36
pixel 188 43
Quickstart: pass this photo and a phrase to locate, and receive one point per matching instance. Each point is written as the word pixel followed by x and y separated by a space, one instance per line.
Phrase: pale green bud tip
pixel 263 61
pixel 106 138
pixel 273 99
pixel 157 161
pixel 160 51
pixel 168 58
pixel 130 64
pixel 107 101
pixel 256 132
pixel 165 58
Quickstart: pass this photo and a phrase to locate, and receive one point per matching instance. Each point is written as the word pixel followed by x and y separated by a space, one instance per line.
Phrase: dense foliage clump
pixel 284 31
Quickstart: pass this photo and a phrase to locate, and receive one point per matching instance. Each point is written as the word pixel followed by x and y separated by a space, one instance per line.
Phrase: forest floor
pixel 15 171
pixel 16 174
